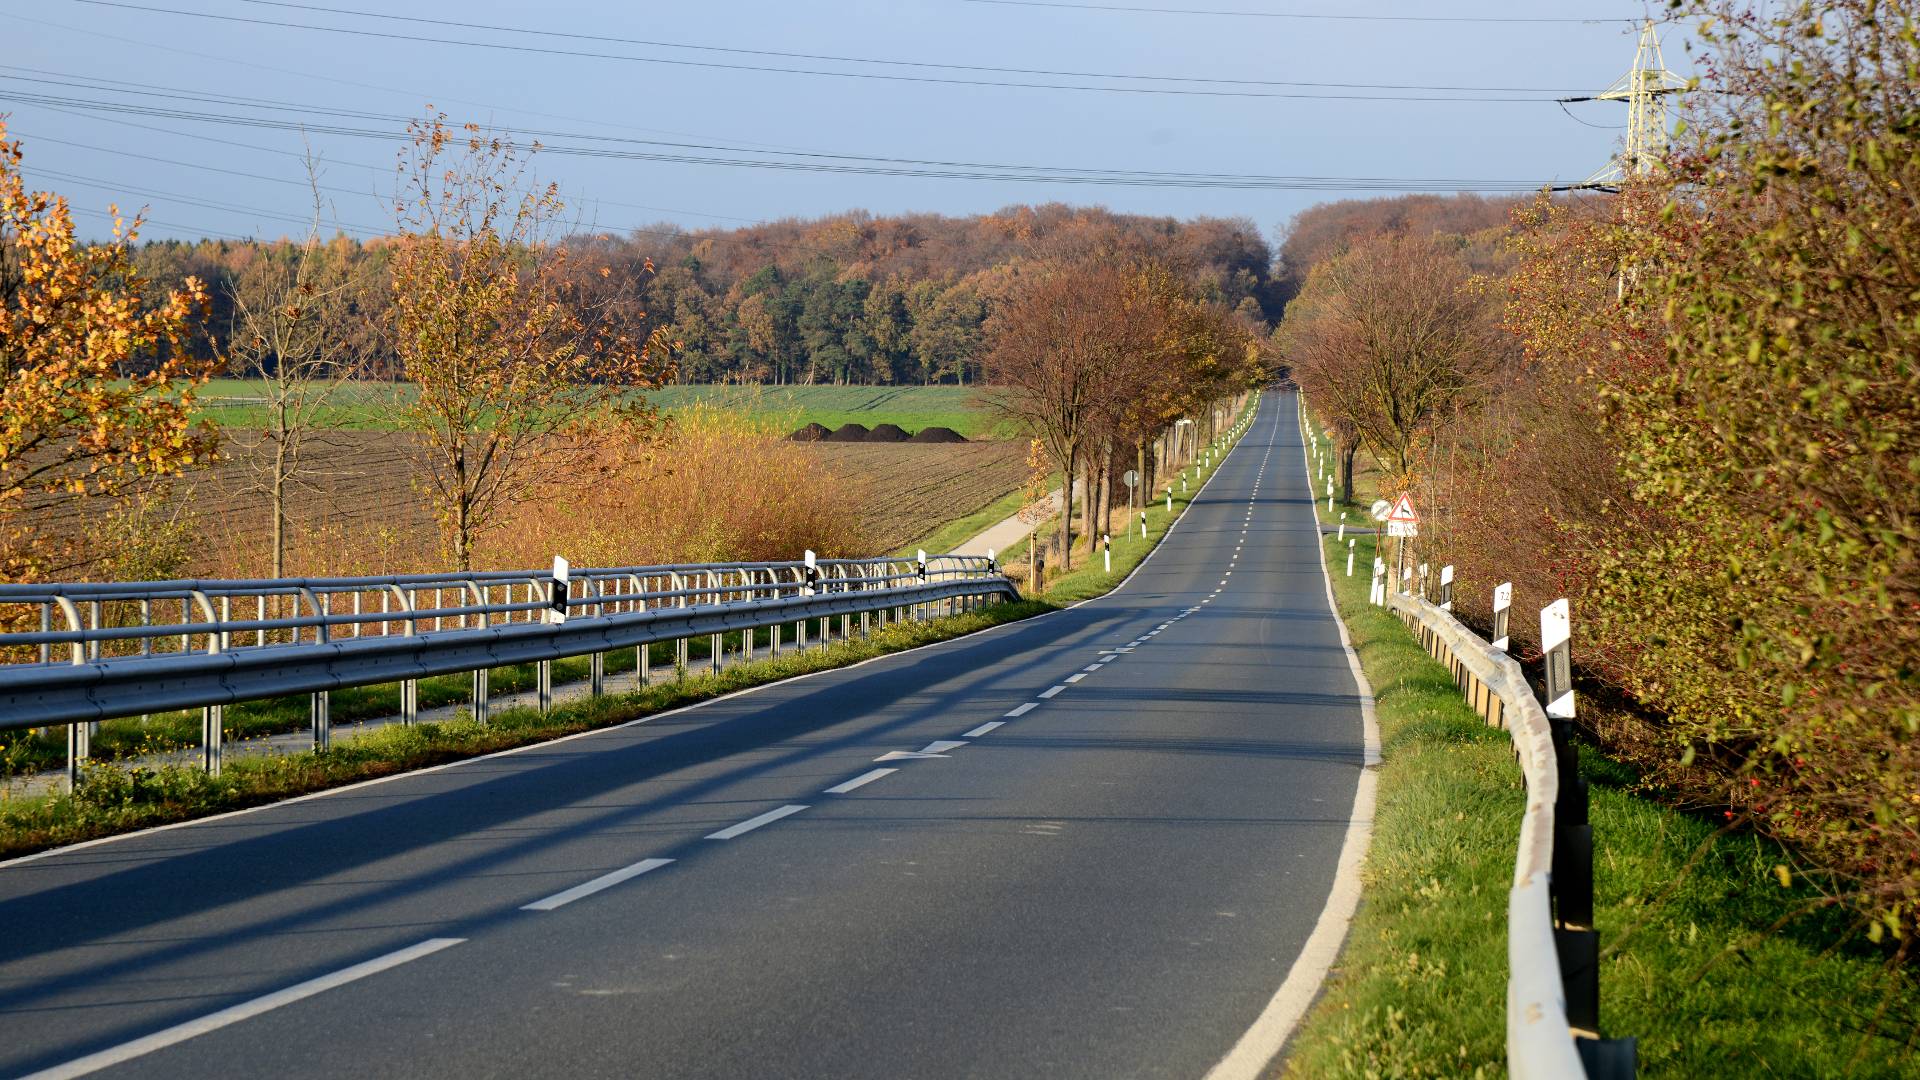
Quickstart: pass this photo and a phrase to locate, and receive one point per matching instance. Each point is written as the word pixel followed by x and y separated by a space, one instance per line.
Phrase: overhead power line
pixel 929 64
pixel 817 72
pixel 1313 15
pixel 195 200
pixel 705 154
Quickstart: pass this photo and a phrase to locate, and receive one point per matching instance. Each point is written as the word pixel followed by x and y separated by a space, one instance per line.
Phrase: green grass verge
pixel 113 799
pixel 1707 959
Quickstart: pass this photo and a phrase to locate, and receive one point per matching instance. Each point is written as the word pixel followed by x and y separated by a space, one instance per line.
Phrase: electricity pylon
pixel 1644 88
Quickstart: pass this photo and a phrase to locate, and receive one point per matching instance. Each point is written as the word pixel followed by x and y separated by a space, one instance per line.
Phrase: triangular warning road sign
pixel 1403 510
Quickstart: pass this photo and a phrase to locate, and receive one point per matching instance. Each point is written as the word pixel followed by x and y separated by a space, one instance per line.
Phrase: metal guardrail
pixel 114 649
pixel 1553 989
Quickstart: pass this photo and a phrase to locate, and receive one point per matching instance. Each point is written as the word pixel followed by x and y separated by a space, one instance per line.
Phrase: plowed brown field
pixel 357 509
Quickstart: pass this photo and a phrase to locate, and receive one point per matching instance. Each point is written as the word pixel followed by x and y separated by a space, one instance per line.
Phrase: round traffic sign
pixel 1131 479
pixel 1380 509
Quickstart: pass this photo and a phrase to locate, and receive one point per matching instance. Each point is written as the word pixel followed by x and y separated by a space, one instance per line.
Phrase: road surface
pixel 1086 845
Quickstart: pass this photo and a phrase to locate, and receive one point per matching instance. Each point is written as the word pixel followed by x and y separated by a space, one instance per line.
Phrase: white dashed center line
pixel 984 728
pixel 862 780
pixel 753 823
pixel 1023 709
pixel 604 881
pixel 1050 691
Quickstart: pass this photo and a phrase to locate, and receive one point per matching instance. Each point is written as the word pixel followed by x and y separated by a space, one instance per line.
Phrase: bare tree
pixel 1388 337
pixel 290 309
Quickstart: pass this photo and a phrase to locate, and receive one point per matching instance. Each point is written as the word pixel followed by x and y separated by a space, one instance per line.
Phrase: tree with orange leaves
pixel 521 374
pixel 95 386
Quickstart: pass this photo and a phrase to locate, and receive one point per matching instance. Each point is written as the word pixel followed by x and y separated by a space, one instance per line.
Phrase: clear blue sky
pixel 1531 140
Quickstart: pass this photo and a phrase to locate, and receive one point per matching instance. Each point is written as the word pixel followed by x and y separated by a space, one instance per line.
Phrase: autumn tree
pixel 1784 434
pixel 291 337
pixel 1388 336
pixel 95 387
pixel 513 373
pixel 1057 346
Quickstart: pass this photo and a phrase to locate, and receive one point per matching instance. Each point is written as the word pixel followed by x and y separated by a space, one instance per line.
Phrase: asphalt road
pixel 1112 883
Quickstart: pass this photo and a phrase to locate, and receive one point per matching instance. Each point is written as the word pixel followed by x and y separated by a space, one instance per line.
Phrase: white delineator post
pixel 1502 603
pixel 1329 494
pixel 1379 593
pixel 1343 528
pixel 1446 587
pixel 1556 641
pixel 1143 517
pixel 1106 552
pixel 1350 544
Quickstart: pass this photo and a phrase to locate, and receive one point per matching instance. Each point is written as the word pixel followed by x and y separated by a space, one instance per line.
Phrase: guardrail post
pixel 717 645
pixel 642 654
pixel 212 717
pixel 79 735
pixel 679 644
pixel 746 635
pixel 1572 874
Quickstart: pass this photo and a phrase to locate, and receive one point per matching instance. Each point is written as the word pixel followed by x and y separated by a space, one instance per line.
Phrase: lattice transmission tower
pixel 1645 88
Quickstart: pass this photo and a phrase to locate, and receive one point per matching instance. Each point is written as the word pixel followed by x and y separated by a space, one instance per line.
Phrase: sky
pixel 588 82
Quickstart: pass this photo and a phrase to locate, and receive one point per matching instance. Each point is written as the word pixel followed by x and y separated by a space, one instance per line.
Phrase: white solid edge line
pixel 588 888
pixel 1263 1041
pixel 862 780
pixel 974 734
pixel 1022 710
pixel 755 822
pixel 1052 690
pixel 246 1010
pixel 649 718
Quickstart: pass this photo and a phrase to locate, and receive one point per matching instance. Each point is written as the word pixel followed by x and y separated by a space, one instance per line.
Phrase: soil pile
pixel 938 435
pixel 810 433
pixel 887 433
pixel 850 433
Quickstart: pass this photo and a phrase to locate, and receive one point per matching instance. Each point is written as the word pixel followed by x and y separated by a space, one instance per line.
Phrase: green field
pixel 237 403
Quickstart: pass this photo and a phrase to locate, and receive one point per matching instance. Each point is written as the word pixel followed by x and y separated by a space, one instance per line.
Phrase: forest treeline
pixel 853 298
pixel 1692 408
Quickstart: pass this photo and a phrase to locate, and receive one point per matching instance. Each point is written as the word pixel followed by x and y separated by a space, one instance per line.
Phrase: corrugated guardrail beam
pixel 1543 1041
pixel 34 695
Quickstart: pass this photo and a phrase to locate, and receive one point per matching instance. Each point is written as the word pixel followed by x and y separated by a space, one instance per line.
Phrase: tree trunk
pixel 1346 470
pixel 1066 513
pixel 1146 481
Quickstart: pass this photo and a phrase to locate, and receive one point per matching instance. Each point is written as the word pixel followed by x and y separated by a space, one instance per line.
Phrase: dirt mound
pixel 938 435
pixel 887 433
pixel 811 433
pixel 850 433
